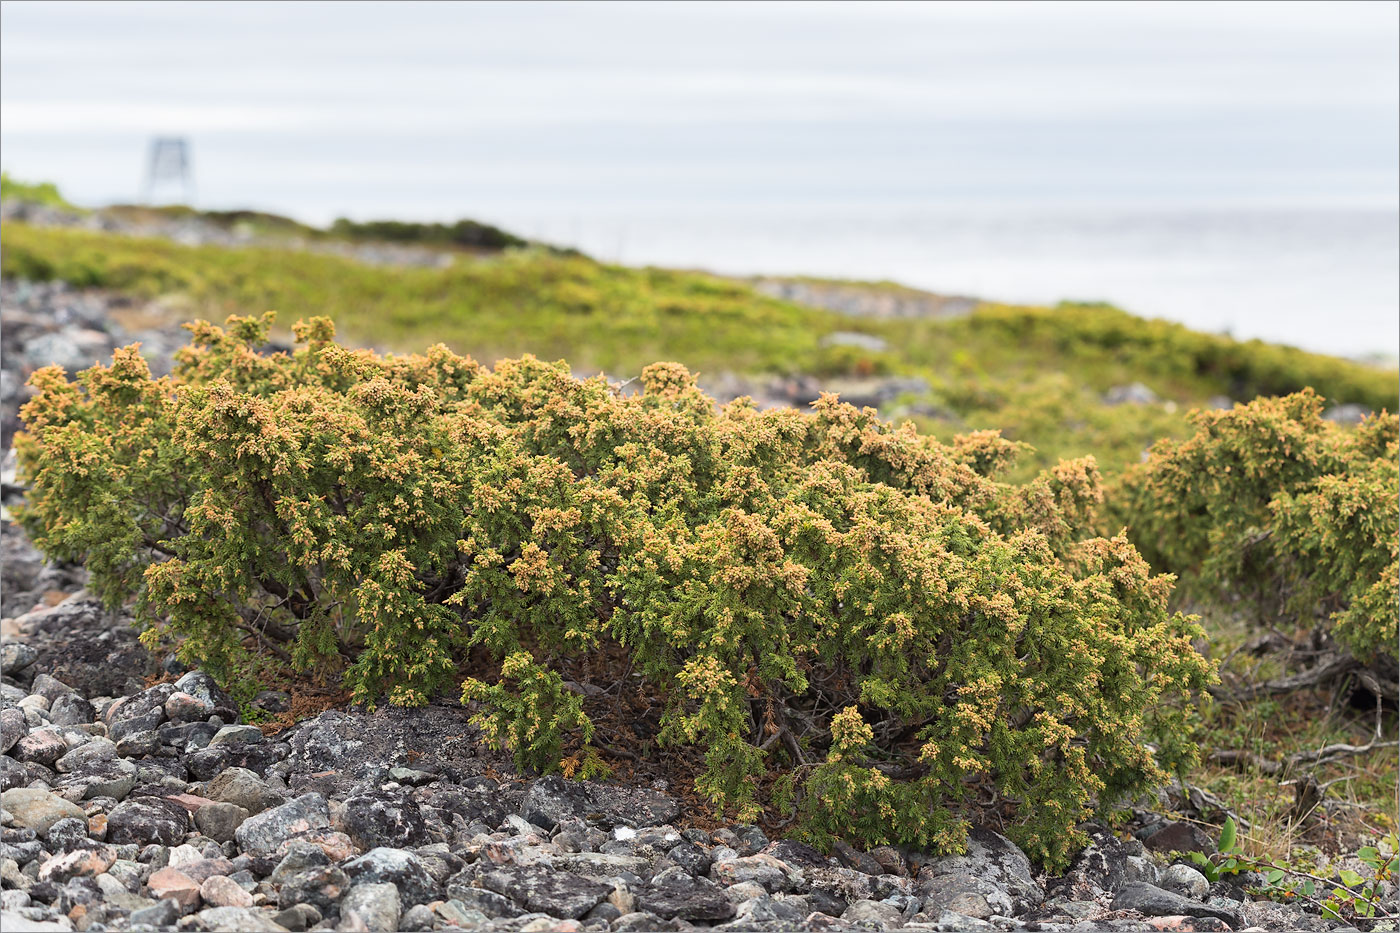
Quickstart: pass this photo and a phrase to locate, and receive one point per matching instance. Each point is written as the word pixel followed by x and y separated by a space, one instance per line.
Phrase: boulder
pixel 144 820
pixel 262 834
pixel 37 809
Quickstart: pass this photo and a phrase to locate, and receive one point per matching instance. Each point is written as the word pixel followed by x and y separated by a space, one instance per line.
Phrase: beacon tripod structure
pixel 169 162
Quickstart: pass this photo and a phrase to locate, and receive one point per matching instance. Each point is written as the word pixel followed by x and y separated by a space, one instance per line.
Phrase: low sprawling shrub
pixel 1271 505
pixel 850 621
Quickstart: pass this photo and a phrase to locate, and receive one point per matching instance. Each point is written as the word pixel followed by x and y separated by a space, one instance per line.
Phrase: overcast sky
pixel 442 110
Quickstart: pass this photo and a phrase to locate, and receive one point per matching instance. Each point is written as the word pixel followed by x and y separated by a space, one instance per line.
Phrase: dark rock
pixel 207 763
pixel 102 778
pixel 383 819
pixel 322 888
pixel 134 724
pixel 496 906
pixel 690 857
pixel 143 820
pixel 560 894
pixel 853 859
pixel 1180 836
pixel 677 894
pixel 187 736
pixel 273 701
pixel 1105 865
pixel 796 853
pixel 481 800
pixel 553 798
pixel 402 869
pixel 1152 901
pixel 162 915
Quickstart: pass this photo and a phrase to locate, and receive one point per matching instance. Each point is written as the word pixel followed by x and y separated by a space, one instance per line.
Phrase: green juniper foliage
pixel 848 619
pixel 1272 504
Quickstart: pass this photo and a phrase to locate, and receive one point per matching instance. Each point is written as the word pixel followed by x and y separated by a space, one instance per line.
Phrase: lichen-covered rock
pixel 552 798
pixel 143 820
pixel 375 905
pixel 676 894
pixel 992 866
pixel 557 893
pixel 264 833
pixel 404 870
pixel 383 819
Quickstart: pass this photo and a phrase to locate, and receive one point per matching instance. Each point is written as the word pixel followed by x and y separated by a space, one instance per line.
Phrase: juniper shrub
pixel 854 622
pixel 1272 505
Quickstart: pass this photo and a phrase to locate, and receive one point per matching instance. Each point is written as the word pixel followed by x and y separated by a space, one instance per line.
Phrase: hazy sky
pixel 443 110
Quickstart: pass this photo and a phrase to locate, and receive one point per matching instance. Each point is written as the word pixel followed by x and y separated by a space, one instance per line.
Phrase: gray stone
pixel 97 750
pixel 15 656
pixel 113 778
pixel 239 919
pixel 404 870
pixel 220 821
pixel 417 918
pixel 13 727
pixel 71 832
pixel 1186 881
pixel 36 809
pixel 70 710
pixel 244 788
pixel 992 867
pixel 144 820
pixel 50 688
pixel 771 873
pixel 1155 902
pixel 557 893
pixel 1134 394
pixel 321 887
pixel 237 735
pixel 675 894
pixel 492 905
pixel 187 736
pixel 203 687
pixel 375 904
pixel 264 833
pixel 44 746
pixel 553 798
pixel 876 913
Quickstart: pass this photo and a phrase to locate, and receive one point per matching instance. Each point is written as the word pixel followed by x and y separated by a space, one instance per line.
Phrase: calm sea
pixel 1323 279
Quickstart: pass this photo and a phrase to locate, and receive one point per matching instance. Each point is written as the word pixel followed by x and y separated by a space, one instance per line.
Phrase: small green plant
pixel 1345 895
pixel 848 619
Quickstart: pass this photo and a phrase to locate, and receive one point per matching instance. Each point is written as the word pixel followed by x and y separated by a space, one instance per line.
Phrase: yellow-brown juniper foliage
pixel 851 621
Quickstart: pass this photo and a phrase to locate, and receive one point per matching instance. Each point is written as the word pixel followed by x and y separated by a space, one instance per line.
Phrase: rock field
pixel 127 807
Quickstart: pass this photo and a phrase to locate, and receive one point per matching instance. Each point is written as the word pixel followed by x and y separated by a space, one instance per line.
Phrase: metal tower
pixel 169 162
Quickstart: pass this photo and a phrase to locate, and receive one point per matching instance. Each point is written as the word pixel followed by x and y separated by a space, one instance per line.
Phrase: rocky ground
pixel 135 807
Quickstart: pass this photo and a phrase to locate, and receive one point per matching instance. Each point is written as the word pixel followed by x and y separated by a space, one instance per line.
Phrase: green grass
pixel 1037 373
pixel 45 193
